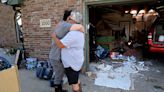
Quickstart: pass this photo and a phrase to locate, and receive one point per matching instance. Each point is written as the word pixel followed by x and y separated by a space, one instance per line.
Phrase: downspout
pixel 19 37
pixel 16 26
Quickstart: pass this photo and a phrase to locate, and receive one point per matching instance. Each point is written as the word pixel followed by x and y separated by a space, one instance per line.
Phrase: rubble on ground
pixel 91 75
pixel 117 74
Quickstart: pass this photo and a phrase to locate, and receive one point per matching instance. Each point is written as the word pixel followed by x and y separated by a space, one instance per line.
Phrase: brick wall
pixel 37 39
pixel 7 27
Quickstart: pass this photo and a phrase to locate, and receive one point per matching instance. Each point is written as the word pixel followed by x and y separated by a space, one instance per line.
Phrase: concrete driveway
pixel 152 81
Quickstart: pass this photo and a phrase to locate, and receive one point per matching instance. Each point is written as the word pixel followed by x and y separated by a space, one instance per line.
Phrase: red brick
pixel 37 40
pixel 7 27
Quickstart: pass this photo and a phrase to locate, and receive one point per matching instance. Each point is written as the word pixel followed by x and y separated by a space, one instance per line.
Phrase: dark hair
pixel 67 13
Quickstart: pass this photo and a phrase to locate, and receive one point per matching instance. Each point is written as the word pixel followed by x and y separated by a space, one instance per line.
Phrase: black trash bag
pixel 101 52
pixel 4 64
pixel 44 70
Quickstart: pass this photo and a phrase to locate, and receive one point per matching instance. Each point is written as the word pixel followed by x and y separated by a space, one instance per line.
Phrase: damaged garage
pixel 118 36
pixel 117 27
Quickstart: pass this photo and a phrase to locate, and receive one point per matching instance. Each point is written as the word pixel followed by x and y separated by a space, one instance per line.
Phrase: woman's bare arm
pixel 77 27
pixel 57 41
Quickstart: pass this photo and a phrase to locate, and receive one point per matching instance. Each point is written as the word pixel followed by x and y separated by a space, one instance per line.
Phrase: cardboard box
pixel 9 80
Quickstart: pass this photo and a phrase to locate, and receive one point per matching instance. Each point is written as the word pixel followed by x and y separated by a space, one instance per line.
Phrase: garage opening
pixel 118 28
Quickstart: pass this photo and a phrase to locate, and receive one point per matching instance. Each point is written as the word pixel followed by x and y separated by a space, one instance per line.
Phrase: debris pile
pixel 116 74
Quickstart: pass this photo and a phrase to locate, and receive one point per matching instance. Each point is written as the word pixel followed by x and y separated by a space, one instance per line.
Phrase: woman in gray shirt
pixel 61 30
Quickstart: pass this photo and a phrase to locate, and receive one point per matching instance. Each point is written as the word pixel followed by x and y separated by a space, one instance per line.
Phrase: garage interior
pixel 113 28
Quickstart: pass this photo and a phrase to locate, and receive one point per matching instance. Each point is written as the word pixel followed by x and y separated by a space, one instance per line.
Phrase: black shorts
pixel 72 75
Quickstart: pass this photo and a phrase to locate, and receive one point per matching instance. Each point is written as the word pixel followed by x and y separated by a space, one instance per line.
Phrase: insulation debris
pixel 117 77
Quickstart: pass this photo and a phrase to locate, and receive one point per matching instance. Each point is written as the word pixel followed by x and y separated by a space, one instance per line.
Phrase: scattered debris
pixel 104 67
pixel 31 63
pixel 148 63
pixel 151 79
pixel 117 74
pixel 101 52
pixel 116 65
pixel 158 71
pixel 91 75
pixel 133 52
pixel 114 55
pixel 158 87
